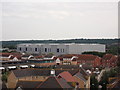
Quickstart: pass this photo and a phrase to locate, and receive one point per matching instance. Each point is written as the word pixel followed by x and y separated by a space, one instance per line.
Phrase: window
pixel 57 50
pixel 63 50
pixel 20 48
pixel 50 49
pixel 35 49
pixel 26 49
pixel 45 49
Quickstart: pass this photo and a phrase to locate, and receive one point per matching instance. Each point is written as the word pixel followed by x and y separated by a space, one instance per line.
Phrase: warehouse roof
pixel 28 44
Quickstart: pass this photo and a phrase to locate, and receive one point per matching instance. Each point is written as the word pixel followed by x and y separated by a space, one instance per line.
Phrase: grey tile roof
pixel 79 75
pixel 51 82
pixel 63 83
pixel 31 72
pixel 54 82
pixel 67 66
pixel 28 84
pixel 39 72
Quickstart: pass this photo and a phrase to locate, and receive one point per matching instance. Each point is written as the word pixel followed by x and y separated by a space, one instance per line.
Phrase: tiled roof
pixel 67 67
pixel 46 64
pixel 31 72
pixel 67 76
pixel 87 66
pixel 28 84
pixel 18 57
pixel 26 55
pixel 39 72
pixel 48 56
pixel 86 57
pixel 114 58
pixel 107 56
pixel 115 84
pixel 37 57
pixel 4 54
pixel 63 83
pixel 79 75
pixel 51 82
pixel 83 72
pixel 54 82
pixel 68 55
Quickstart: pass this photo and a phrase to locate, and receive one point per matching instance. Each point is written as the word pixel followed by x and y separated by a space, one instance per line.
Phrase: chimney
pixel 52 72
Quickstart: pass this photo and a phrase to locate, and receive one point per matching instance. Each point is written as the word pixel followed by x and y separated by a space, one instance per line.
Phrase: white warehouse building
pixel 58 49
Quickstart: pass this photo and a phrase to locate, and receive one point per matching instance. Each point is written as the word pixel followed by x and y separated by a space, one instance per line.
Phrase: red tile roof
pixel 107 56
pixel 114 58
pixel 5 54
pixel 37 57
pixel 87 57
pixel 68 55
pixel 46 64
pixel 18 55
pixel 67 76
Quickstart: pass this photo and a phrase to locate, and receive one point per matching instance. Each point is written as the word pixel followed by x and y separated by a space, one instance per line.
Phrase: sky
pixel 58 20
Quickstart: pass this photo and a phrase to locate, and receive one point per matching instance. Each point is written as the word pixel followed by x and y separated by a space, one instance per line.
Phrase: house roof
pixel 67 76
pixel 54 82
pixel 28 84
pixel 82 77
pixel 68 55
pixel 86 57
pixel 63 83
pixel 17 56
pixel 67 66
pixel 46 64
pixel 87 67
pixel 4 54
pixel 114 58
pixel 26 55
pixel 83 72
pixel 48 56
pixel 107 56
pixel 31 72
pixel 39 57
pixel 39 72
pixel 115 84
pixel 51 82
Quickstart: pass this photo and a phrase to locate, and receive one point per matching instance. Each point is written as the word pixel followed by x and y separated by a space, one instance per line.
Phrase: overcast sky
pixel 59 20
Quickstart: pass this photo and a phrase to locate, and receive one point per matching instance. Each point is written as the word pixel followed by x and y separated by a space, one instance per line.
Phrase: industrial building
pixel 58 49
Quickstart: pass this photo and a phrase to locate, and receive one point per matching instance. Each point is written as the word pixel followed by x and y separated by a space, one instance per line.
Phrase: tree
pixel 93 82
pixel 104 80
pixel 4 76
pixel 100 54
